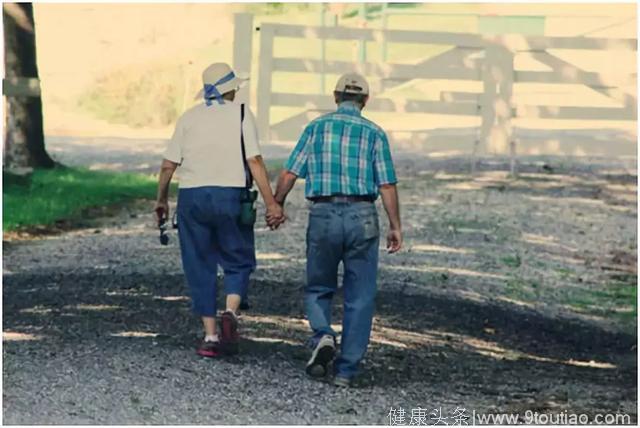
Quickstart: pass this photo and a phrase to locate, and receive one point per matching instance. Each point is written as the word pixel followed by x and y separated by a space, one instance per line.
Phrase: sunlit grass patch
pixel 47 196
pixel 617 300
pixel 522 288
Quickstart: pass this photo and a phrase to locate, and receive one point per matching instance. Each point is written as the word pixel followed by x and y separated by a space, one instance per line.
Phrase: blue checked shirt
pixel 342 153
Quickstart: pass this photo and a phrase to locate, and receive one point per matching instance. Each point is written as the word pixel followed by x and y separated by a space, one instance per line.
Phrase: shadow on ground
pixel 457 344
pixel 462 314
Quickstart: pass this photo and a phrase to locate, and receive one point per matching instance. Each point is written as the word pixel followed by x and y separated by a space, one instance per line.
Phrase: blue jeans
pixel 347 232
pixel 210 233
pixel 250 240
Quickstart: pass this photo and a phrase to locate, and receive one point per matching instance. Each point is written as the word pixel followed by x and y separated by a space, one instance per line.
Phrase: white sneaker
pixel 322 355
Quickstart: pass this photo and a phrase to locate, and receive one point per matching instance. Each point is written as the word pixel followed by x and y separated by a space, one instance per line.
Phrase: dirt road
pixel 511 296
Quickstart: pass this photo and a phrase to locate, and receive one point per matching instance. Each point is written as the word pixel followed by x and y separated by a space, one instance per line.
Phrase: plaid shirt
pixel 342 153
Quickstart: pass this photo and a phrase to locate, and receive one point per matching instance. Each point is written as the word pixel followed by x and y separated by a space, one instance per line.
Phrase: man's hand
pixel 392 206
pixel 162 211
pixel 394 240
pixel 275 216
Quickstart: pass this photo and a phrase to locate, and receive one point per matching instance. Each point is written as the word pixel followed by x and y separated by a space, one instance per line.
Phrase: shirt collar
pixel 349 107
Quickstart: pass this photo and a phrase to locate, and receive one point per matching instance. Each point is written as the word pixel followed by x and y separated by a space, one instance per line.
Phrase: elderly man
pixel 346 161
pixel 216 146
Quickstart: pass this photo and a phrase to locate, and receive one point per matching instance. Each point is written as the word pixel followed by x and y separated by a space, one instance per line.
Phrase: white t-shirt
pixel 206 144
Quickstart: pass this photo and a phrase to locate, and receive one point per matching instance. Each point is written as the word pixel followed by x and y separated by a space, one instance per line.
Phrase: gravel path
pixel 476 313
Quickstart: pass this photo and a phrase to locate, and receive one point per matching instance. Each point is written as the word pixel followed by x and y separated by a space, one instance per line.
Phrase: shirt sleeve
pixel 297 162
pixel 384 172
pixel 173 151
pixel 250 132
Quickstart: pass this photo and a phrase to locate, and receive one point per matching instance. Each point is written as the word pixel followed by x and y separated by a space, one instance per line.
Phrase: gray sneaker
pixel 322 355
pixel 342 382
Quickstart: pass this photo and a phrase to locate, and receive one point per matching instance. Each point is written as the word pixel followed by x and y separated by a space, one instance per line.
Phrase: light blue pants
pixel 210 233
pixel 347 233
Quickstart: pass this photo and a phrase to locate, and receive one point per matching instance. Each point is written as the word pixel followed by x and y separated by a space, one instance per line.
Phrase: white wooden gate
pixel 470 57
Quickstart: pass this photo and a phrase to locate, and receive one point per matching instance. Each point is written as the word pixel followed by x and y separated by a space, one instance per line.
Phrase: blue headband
pixel 211 91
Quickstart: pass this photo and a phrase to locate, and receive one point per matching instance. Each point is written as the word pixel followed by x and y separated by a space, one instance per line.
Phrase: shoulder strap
pixel 247 171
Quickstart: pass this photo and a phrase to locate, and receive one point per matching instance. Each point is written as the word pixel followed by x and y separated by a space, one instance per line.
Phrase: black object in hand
pixel 162 225
pixel 164 238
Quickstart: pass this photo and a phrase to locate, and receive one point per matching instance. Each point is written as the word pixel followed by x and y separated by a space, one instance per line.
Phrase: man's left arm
pixel 286 180
pixel 296 166
pixel 385 178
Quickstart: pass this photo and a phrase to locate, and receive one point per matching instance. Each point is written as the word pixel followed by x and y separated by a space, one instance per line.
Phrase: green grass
pixel 563 272
pixel 512 261
pixel 47 196
pixel 619 302
pixel 522 288
pixel 616 300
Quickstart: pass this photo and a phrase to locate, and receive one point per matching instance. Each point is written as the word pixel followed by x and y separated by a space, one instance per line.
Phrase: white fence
pixel 469 57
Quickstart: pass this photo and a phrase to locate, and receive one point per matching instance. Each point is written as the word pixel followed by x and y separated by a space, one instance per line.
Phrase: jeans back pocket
pixel 370 226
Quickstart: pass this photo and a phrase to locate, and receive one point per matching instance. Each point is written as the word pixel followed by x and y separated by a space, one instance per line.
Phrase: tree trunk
pixel 24 136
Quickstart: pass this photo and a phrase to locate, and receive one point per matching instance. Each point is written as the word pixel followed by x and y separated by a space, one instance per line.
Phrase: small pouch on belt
pixel 247 207
pixel 248 196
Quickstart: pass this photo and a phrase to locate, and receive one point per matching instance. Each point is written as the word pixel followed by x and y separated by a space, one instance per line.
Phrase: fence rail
pixel 514 41
pixel 488 60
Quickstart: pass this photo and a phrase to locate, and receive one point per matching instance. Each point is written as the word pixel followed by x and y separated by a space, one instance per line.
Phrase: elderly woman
pixel 215 144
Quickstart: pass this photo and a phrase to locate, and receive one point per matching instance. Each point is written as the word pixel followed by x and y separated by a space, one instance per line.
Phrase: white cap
pixel 221 72
pixel 352 83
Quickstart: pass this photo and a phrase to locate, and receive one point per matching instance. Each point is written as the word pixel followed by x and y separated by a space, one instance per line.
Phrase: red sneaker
pixel 208 349
pixel 230 340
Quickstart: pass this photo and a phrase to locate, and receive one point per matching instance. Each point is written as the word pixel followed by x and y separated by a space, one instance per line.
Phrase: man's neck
pixel 349 105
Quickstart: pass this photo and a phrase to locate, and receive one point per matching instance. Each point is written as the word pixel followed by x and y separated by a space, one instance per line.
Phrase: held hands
pixel 275 216
pixel 394 240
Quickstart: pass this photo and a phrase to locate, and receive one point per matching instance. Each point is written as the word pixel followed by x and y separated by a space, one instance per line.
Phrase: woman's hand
pixel 161 210
pixel 275 216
